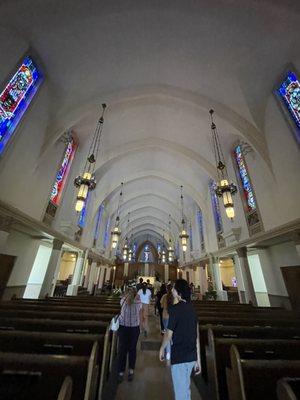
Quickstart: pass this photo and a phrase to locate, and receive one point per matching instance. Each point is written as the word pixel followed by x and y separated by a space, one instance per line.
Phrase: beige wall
pixel 67 266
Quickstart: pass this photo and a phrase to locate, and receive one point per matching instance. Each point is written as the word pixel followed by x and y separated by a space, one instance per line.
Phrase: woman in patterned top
pixel 129 331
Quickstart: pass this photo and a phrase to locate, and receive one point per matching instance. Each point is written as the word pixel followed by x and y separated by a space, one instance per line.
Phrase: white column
pixel 5 226
pixel 126 268
pixel 80 263
pixel 166 273
pixel 222 294
pixel 246 274
pixel 197 281
pixel 203 280
pixel 146 269
pixel 296 238
pixel 49 282
pixel 101 277
pixel 92 276
pixel 87 275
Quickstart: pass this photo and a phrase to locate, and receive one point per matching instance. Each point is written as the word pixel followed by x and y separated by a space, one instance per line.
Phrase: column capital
pixel 57 244
pixel 241 251
pixel 6 223
pixel 296 237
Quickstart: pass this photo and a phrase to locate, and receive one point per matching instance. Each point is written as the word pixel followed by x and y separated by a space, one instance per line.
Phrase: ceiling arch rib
pixel 150 199
pixel 174 148
pixel 105 194
pixel 129 97
pixel 149 210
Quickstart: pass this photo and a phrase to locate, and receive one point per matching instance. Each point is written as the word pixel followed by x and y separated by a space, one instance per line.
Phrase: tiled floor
pixel 152 378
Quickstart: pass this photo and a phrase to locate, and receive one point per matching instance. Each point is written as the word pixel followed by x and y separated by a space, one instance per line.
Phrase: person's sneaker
pixel 120 378
pixel 130 377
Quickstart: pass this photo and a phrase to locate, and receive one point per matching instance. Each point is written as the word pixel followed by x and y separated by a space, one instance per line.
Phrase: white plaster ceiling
pixel 160 65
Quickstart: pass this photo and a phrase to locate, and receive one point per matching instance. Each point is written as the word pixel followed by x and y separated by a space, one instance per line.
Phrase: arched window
pixel 247 193
pixel 191 236
pixel 201 229
pixel 16 97
pixel 61 177
pixel 289 93
pixel 98 223
pixel 106 233
pixel 216 213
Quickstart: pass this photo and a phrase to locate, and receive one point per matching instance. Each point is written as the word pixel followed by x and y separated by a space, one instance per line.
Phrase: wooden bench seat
pixel 288 389
pixel 56 315
pixel 60 308
pixel 218 356
pixel 262 332
pixel 53 325
pixel 40 376
pixel 250 379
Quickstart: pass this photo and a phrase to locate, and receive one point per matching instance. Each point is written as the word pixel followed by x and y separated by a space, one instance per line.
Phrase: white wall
pixel 38 272
pixel 25 248
pixel 258 280
pixel 272 259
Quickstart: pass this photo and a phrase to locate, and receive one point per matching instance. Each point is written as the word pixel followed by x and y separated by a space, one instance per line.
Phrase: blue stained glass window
pixel 289 92
pixel 16 97
pixel 247 187
pixel 83 212
pixel 201 229
pixel 215 206
pixel 106 233
pixel 98 221
pixel 191 237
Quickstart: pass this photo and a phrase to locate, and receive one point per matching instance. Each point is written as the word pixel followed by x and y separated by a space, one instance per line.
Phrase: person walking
pixel 166 302
pixel 128 332
pixel 183 331
pixel 156 288
pixel 159 295
pixel 145 296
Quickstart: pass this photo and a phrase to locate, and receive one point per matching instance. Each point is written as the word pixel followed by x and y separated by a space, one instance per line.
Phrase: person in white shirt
pixel 145 296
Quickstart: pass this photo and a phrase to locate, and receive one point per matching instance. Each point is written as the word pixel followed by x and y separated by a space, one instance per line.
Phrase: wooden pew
pixel 56 315
pixel 288 389
pixel 48 372
pixel 218 356
pixel 238 331
pixel 250 379
pixel 19 384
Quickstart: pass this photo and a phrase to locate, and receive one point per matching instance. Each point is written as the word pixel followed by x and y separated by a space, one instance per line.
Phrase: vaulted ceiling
pixel 160 65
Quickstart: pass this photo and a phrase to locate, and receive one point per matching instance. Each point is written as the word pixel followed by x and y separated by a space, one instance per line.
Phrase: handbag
pixel 115 323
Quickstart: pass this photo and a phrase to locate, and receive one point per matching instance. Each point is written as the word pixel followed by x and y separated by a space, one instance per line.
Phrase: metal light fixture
pixel 183 236
pixel 87 181
pixel 125 247
pixel 116 232
pixel 224 189
pixel 170 248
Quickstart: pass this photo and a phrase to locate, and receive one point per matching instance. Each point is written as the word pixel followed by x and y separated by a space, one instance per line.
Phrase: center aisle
pixel 152 378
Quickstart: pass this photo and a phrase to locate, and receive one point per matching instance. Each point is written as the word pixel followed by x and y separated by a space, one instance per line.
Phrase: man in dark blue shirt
pixel 183 333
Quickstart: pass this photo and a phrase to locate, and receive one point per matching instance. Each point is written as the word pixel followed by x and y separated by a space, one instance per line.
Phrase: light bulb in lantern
pixel 79 205
pixel 115 237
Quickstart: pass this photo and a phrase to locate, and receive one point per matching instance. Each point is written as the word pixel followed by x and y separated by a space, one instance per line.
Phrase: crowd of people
pixel 178 325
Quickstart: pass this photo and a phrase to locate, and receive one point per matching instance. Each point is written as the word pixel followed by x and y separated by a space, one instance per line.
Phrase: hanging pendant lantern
pixel 170 248
pixel 116 232
pixel 87 181
pixel 183 236
pixel 224 189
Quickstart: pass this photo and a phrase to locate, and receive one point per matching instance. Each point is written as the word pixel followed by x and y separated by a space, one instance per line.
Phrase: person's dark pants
pixel 160 310
pixel 128 337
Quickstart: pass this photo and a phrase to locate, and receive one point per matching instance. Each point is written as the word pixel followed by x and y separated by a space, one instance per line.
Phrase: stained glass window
pixel 215 206
pixel 62 173
pixel 106 233
pixel 83 213
pixel 16 97
pixel 247 193
pixel 243 173
pixel 191 236
pixel 98 222
pixel 201 229
pixel 289 92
